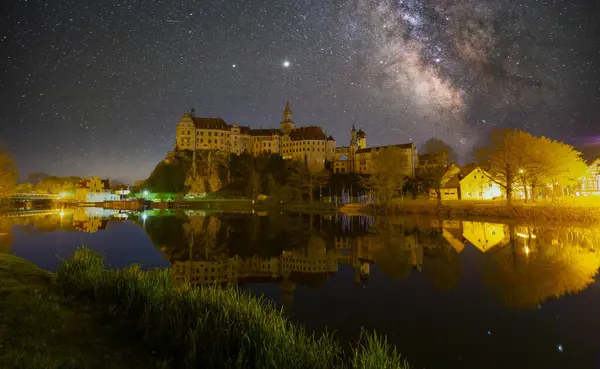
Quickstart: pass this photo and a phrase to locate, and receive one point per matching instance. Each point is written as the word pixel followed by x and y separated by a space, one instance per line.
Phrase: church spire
pixel 287 113
pixel 287 124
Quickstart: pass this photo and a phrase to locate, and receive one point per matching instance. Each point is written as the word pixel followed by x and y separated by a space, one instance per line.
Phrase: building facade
pixel 94 189
pixel 468 183
pixel 360 159
pixel 304 143
pixel 590 184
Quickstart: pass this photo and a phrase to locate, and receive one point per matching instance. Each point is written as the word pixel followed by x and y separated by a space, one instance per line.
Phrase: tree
pixel 306 181
pixel 439 151
pixel 441 156
pixel 505 157
pixel 562 165
pixel 35 178
pixel 8 174
pixel 389 176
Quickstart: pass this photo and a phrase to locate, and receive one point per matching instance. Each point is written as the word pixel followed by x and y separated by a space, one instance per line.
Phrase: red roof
pixel 308 133
pixel 210 123
pixel 85 183
pixel 377 148
pixel 265 132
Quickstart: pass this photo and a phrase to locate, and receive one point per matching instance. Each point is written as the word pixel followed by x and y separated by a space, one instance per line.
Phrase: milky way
pixel 97 88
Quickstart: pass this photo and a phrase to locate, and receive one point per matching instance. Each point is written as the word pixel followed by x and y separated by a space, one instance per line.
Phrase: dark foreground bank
pixel 86 316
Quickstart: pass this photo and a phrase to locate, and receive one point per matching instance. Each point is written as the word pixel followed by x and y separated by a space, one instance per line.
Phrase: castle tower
pixel 185 136
pixel 287 124
pixel 361 139
pixel 352 149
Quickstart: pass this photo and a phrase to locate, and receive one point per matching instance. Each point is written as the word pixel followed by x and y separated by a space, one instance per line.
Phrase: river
pixel 448 294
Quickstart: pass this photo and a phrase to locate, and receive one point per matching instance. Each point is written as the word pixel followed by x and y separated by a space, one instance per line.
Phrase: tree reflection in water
pixel 523 265
pixel 539 264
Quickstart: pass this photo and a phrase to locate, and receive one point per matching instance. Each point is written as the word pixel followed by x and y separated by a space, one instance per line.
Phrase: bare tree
pixel 505 158
pixel 440 157
pixel 306 180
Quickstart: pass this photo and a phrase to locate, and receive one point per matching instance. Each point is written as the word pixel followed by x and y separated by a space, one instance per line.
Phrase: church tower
pixel 361 139
pixel 352 150
pixel 287 124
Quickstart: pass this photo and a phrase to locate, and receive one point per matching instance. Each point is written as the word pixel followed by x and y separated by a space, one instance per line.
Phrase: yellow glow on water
pixel 525 235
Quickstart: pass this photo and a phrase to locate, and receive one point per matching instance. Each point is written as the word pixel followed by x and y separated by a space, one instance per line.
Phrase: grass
pixel 38 329
pixel 543 211
pixel 86 316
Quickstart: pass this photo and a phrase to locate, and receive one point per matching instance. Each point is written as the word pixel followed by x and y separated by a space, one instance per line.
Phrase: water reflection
pixel 524 265
pixel 459 293
pixel 88 220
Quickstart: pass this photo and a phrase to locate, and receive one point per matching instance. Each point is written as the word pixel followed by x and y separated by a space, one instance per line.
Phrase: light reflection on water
pixel 458 293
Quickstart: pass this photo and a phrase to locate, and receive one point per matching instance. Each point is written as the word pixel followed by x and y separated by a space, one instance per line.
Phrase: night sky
pixel 97 87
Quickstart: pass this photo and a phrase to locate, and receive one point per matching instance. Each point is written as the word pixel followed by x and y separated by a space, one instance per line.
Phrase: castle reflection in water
pixel 524 264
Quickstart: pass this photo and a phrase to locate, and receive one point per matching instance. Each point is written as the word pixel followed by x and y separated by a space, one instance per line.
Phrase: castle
pixel 309 143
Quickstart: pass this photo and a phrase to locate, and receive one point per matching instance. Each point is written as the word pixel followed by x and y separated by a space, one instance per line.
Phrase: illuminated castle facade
pixel 358 158
pixel 308 143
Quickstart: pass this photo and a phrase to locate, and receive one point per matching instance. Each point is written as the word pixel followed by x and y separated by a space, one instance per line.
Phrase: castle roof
pixel 377 148
pixel 307 133
pixel 85 183
pixel 330 138
pixel 454 181
pixel 361 133
pixel 210 123
pixel 265 132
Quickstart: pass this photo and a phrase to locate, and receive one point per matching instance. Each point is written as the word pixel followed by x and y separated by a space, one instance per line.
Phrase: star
pixel 286 64
pixel 233 66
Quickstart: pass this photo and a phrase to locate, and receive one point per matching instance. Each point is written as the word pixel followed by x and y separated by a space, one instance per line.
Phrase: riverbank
pixel 561 212
pixel 39 328
pixel 63 318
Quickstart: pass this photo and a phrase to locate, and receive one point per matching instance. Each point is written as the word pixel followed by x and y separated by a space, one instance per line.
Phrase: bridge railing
pixel 34 196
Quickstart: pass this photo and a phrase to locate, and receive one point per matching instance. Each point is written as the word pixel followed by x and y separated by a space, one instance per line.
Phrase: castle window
pixel 209 133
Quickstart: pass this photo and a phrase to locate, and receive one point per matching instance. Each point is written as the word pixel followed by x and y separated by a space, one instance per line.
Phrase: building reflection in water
pixel 89 220
pixel 523 265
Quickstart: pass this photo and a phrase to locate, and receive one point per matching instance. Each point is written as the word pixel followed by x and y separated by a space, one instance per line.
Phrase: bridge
pixel 30 213
pixel 34 196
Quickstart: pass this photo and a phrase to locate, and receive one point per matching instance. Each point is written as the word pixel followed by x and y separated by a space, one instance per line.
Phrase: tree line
pixel 512 158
